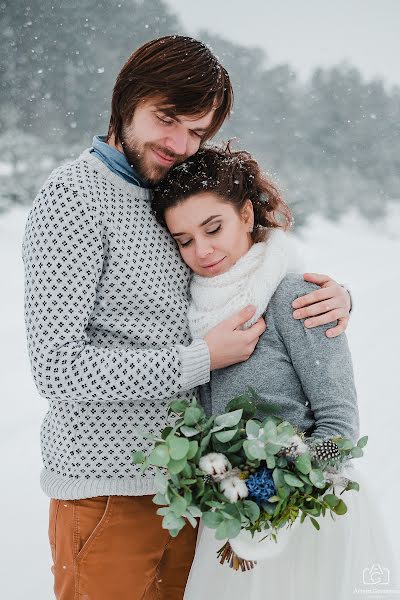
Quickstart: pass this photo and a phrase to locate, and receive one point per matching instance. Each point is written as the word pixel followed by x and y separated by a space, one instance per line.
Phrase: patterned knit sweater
pixel 108 340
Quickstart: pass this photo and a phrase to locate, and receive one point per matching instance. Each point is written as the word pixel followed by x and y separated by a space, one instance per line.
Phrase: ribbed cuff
pixel 195 362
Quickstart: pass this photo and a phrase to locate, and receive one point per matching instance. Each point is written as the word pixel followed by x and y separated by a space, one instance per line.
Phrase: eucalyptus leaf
pixel 194 511
pixel 252 510
pixel 191 519
pixel 178 406
pixel 236 446
pixel 188 431
pixel 159 456
pixel 340 508
pixel 172 521
pixel 164 510
pixel 138 457
pixel 192 415
pixel 357 452
pixel 317 478
pixel 315 523
pixel 212 519
pixel 159 499
pixel 178 447
pixel 225 436
pixel 145 434
pixel 292 480
pixel 242 402
pixel 193 447
pixel 362 441
pixel 178 505
pixel 331 500
pixel 344 444
pixel 269 429
pixel 254 449
pixel 228 529
pixel 353 485
pixel 277 476
pixel 272 448
pixel 176 466
pixel 252 429
pixel 229 419
pixel 303 463
pixel 161 482
pixel 205 441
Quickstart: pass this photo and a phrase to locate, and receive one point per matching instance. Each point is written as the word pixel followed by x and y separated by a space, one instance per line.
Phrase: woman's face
pixel 210 233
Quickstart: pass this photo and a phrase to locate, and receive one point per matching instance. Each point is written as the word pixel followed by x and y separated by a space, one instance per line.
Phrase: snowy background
pixel 363 255
pixel 329 133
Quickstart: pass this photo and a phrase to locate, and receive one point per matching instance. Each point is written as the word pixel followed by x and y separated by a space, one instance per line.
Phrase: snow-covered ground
pixel 363 255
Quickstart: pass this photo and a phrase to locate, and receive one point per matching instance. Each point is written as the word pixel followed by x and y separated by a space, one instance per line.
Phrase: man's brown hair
pixel 182 72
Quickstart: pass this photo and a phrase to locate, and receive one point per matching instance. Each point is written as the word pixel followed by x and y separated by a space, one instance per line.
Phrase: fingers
pixel 312 298
pixel 257 329
pixel 241 317
pixel 328 317
pixel 338 329
pixel 318 278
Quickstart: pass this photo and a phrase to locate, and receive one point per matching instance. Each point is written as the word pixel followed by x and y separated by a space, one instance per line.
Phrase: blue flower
pixel 261 486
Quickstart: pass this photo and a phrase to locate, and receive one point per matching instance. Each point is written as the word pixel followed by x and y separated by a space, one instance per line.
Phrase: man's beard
pixel 138 157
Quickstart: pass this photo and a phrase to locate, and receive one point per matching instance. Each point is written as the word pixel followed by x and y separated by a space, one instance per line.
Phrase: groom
pixel 105 312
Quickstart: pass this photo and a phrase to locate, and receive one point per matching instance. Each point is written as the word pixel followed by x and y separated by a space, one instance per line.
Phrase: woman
pixel 229 220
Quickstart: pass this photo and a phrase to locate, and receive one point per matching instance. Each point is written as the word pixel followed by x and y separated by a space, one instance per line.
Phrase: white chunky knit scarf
pixel 253 279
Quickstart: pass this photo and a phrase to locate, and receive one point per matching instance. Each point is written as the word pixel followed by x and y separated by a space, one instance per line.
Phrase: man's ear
pixel 248 214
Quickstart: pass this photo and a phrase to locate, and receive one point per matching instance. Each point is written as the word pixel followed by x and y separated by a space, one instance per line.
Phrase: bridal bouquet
pixel 248 479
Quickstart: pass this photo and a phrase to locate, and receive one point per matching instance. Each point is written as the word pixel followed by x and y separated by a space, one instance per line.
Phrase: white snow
pixel 363 255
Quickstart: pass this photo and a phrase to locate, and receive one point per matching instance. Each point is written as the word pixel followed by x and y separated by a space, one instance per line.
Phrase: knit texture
pixel 306 375
pixel 252 280
pixel 108 339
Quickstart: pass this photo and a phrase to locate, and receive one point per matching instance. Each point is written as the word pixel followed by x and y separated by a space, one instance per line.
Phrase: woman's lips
pixel 212 265
pixel 162 158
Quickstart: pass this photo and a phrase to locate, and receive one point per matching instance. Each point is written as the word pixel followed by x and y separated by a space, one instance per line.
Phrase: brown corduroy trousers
pixel 114 548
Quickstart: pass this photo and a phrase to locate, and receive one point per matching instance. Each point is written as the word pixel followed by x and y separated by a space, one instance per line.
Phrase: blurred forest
pixel 332 143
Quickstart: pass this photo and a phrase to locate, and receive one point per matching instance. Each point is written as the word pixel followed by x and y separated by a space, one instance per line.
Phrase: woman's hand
pixel 332 302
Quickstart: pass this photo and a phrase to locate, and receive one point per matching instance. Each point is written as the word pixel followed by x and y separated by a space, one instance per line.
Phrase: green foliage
pixel 185 494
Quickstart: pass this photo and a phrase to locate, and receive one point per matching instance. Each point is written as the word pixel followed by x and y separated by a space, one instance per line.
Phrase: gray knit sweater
pixel 105 313
pixel 307 375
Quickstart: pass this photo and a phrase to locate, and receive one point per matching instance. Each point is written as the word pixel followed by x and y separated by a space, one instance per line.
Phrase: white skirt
pixel 347 558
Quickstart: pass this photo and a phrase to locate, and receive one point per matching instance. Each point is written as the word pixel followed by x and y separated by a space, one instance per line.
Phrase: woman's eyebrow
pixel 201 225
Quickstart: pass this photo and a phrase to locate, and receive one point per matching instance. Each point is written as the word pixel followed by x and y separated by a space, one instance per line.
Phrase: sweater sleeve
pixel 62 251
pixel 323 364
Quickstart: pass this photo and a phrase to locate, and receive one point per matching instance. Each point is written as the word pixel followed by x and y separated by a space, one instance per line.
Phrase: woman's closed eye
pixel 212 232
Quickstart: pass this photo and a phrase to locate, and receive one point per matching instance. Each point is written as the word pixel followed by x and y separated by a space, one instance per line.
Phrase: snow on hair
pixel 234 177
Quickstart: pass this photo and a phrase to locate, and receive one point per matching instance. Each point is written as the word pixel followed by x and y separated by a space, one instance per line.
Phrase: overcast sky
pixel 307 33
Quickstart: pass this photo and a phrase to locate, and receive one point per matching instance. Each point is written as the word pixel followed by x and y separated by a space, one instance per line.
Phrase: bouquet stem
pixel 226 554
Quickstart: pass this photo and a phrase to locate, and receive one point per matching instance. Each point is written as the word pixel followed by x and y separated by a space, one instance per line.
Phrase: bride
pixel 229 222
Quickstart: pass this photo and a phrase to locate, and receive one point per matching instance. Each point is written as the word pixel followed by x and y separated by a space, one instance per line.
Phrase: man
pixel 105 309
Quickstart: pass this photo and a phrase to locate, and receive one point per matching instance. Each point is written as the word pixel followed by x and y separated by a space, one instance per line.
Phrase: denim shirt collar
pixel 116 161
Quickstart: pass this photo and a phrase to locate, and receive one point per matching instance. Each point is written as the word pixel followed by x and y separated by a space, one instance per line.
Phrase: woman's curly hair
pixel 234 177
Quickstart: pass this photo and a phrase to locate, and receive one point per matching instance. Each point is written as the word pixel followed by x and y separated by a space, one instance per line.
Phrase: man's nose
pixel 177 142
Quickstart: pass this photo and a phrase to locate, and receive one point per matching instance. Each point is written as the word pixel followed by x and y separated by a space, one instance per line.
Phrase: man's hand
pixel 228 344
pixel 330 303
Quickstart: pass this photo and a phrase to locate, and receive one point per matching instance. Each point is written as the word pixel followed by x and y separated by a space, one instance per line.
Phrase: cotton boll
pixel 234 488
pixel 214 463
